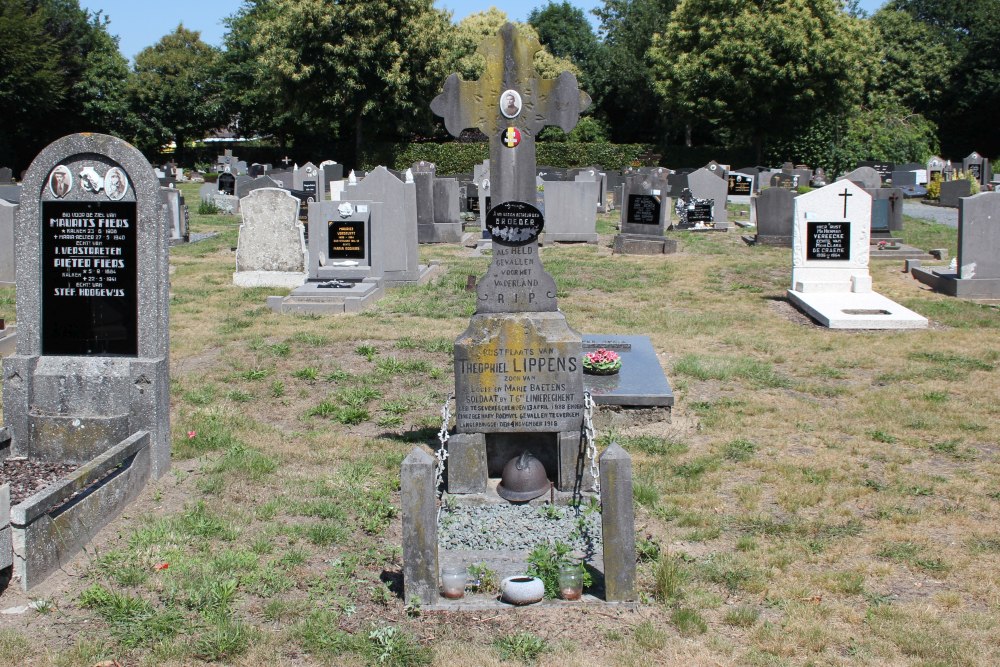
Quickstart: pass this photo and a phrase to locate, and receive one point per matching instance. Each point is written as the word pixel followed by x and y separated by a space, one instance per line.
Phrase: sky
pixel 142 24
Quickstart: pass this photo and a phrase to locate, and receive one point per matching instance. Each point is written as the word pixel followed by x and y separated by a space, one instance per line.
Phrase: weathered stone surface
pixel 645 204
pixel 396 238
pixel 468 104
pixel 705 184
pixel 467 463
pixel 271 236
pixel 772 210
pixel 7 213
pixel 516 282
pixel 866 177
pixel 979 237
pixel 419 514
pixel 618 522
pixel 6 548
pixel 48 532
pixel 518 374
pixel 39 385
pixel 640 244
pixel 571 211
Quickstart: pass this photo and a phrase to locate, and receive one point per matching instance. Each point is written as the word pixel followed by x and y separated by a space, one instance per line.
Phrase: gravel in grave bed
pixel 519 527
pixel 27 477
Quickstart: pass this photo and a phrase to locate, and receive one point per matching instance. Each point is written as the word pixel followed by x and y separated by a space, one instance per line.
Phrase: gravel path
pixel 27 476
pixel 518 527
pixel 938 214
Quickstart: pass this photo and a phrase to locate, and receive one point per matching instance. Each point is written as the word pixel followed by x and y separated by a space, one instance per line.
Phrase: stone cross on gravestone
pixel 286 160
pixel 511 104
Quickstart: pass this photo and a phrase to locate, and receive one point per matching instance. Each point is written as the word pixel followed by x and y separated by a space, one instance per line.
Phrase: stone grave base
pixel 50 527
pixel 569 237
pixel 6 544
pixel 179 241
pixel 509 564
pixel 856 310
pixel 289 279
pixel 440 232
pixel 903 251
pixel 8 341
pixel 637 244
pixel 769 240
pixel 717 227
pixel 427 272
pixel 640 383
pixel 312 300
pixel 947 282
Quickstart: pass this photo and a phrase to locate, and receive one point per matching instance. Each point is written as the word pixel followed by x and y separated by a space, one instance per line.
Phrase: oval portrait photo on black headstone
pixel 514 223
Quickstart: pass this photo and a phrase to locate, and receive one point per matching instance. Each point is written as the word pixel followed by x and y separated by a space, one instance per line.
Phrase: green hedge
pixel 457 158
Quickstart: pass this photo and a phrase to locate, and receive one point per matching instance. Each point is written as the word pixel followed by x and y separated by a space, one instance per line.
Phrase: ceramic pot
pixel 521 590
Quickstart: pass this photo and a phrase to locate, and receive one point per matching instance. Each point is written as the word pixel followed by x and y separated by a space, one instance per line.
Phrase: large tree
pixel 625 95
pixel 175 92
pixel 565 31
pixel 943 58
pixel 760 69
pixel 60 72
pixel 352 67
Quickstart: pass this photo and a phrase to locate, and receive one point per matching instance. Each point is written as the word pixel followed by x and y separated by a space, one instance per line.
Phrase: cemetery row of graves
pixel 594 417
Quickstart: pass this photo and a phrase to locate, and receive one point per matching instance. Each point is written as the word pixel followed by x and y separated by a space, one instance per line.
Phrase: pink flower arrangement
pixel 602 361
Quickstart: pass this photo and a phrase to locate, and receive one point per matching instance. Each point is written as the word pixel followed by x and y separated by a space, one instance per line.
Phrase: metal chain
pixel 590 439
pixel 442 453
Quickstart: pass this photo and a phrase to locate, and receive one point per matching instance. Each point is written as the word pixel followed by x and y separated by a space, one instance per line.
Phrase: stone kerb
pixel 50 400
pixel 272 249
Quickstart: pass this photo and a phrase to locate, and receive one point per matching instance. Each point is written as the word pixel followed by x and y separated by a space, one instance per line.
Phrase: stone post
pixel 618 521
pixel 420 548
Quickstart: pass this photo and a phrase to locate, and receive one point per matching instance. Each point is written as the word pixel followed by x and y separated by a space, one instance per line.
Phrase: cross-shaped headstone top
pixel 509 67
pixel 511 103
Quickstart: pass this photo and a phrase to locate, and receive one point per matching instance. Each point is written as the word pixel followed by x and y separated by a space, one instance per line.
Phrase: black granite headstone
pixel 643 210
pixel 828 240
pixel 89 278
pixel 227 183
pixel 346 239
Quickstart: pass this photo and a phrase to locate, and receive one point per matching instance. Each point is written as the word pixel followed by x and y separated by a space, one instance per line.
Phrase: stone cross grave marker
pixel 518 366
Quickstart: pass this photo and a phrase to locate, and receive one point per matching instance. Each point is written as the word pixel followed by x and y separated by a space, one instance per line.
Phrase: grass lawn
pixel 819 498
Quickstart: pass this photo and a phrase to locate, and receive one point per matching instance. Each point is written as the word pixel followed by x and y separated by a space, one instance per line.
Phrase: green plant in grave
pixel 544 562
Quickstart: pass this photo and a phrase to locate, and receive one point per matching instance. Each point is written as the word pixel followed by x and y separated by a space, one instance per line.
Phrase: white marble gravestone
pixel 830 278
pixel 272 248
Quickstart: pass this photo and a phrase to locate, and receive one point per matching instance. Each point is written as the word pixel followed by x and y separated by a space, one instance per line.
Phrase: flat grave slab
pixel 867 310
pixel 313 299
pixel 641 381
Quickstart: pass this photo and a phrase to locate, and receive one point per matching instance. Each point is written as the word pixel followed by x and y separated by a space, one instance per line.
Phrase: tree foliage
pixel 174 90
pixel 624 96
pixel 761 69
pixel 566 33
pixel 60 72
pixel 352 66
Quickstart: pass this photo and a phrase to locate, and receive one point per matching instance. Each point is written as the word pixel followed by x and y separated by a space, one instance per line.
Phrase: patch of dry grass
pixel 821 497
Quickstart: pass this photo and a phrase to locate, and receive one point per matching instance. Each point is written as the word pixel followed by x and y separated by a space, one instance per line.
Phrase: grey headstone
pixel 705 184
pixel 207 191
pixel 979 236
pixel 645 204
pixel 6 176
pixel 865 177
pixel 446 201
pixel 570 211
pixel 175 214
pixel 11 193
pixel 284 178
pixel 772 210
pixel 467 471
pixel 978 166
pixel 91 365
pixel 887 211
pixel 396 239
pixel 618 524
pixel 271 236
pixel 953 191
pixel 900 178
pixel 340 240
pixel 8 212
pixel 423 177
pixel 419 514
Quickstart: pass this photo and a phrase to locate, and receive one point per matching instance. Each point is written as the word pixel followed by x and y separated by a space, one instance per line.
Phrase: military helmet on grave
pixel 523 479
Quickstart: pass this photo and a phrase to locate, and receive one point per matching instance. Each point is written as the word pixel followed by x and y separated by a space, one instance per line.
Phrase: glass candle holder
pixel 571 582
pixel 453 579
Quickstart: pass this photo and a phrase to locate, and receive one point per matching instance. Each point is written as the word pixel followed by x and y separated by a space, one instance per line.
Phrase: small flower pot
pixel 521 590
